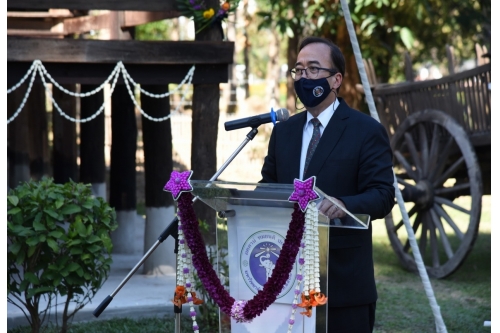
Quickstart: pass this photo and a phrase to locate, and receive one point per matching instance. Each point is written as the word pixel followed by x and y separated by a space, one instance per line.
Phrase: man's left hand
pixel 332 210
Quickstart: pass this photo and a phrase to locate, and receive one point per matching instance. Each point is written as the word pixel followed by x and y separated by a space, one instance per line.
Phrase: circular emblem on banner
pixel 318 91
pixel 258 258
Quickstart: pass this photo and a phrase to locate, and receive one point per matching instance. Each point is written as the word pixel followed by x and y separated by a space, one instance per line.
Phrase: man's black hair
pixel 336 55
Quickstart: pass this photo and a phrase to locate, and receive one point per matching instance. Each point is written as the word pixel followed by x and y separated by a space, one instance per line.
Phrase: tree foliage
pixel 422 27
pixel 387 28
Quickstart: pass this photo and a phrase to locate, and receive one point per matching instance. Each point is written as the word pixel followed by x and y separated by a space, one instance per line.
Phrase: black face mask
pixel 312 92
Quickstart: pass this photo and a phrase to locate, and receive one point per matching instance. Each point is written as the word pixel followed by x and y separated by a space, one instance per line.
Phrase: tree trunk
pixel 122 180
pixel 157 143
pixel 246 49
pixel 292 52
pixel 351 77
pixel 38 132
pixel 92 163
pixel 36 323
pixel 64 326
pixel 273 70
pixel 232 104
pixel 65 149
pixel 32 305
pixel 205 122
pixel 17 140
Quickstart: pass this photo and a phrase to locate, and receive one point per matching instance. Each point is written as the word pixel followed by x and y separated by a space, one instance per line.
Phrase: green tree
pixel 289 18
pixel 385 29
pixel 422 27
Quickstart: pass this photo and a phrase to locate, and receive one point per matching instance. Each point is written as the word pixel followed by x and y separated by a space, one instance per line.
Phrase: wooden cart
pixel 440 133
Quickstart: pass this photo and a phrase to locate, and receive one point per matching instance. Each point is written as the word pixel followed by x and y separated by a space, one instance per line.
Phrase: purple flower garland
pixel 265 297
pixel 199 257
pixel 281 272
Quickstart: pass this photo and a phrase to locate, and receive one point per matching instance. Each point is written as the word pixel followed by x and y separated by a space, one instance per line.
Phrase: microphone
pixel 255 121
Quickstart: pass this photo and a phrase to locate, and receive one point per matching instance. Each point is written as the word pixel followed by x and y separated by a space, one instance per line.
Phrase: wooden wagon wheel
pixel 436 167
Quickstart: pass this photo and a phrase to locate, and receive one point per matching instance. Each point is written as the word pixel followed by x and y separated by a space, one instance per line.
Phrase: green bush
pixel 58 245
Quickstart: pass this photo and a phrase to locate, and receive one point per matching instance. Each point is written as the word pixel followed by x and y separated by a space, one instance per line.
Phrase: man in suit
pixel 350 155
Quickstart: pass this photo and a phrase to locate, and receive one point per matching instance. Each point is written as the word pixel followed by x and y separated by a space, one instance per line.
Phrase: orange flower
pixel 181 297
pixel 305 301
pixel 320 298
pixel 226 6
pixel 311 300
pixel 180 291
pixel 196 301
pixel 308 312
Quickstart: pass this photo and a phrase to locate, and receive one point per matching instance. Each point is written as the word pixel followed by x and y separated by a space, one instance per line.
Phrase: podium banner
pixel 253 249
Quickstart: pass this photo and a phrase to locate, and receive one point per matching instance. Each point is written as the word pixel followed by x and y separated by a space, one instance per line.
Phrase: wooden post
pixel 123 195
pixel 17 140
pixel 451 59
pixel 157 143
pixel 38 132
pixel 122 181
pixel 372 71
pixel 479 55
pixel 232 86
pixel 452 94
pixel 65 149
pixel 408 68
pixel 205 124
pixel 92 164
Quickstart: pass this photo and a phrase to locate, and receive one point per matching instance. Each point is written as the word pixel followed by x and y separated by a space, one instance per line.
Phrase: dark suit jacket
pixel 352 162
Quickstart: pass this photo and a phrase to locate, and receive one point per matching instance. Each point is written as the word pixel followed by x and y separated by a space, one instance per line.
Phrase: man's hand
pixel 331 210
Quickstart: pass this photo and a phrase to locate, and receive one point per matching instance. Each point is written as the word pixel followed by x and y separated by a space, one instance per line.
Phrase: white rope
pixel 37 67
pixel 440 326
pixel 17 85
pixel 190 73
pixel 189 77
pixel 62 113
pixel 21 106
pixel 87 94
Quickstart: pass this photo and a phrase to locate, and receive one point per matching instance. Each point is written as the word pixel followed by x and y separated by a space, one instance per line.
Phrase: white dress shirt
pixel 324 117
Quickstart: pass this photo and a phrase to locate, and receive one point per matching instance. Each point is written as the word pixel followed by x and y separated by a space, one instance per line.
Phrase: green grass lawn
pixel 464 297
pixel 122 325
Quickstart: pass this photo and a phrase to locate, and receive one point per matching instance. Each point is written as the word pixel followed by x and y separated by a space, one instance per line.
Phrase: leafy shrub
pixel 58 245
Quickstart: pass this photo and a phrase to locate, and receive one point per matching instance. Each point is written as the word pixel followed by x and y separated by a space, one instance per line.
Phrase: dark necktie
pixel 313 143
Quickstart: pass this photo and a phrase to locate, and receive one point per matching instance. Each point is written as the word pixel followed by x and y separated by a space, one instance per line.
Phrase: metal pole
pixel 177 309
pixel 171 230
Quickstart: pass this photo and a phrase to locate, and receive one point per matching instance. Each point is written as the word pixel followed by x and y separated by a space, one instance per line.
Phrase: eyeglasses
pixel 311 72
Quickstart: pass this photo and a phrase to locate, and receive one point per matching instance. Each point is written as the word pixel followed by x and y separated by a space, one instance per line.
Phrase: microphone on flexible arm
pixel 255 121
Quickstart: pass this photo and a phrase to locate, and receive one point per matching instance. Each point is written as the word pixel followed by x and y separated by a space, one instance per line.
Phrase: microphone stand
pixel 171 230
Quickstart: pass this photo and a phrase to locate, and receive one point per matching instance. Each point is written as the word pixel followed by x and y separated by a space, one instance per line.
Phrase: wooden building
pixel 45 30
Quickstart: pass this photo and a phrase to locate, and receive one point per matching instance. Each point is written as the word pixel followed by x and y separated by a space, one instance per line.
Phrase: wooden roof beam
pixel 51 13
pixel 86 23
pixel 97 22
pixel 133 18
pixel 143 5
pixel 34 33
pixel 71 73
pixel 112 51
